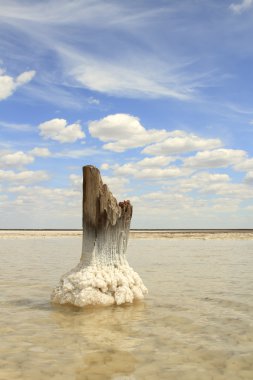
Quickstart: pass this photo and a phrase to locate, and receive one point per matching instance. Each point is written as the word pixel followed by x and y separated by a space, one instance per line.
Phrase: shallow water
pixel 196 322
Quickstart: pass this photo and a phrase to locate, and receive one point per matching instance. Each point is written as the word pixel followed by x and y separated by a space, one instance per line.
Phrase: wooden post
pixel 106 222
pixel 103 275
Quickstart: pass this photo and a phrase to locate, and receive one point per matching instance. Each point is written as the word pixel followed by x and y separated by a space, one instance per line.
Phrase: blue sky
pixel 157 94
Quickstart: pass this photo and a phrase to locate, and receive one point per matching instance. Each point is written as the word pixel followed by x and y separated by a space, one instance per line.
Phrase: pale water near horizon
pixel 196 323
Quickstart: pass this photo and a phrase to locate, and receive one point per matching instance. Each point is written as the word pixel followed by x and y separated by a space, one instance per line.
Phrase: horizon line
pixel 132 229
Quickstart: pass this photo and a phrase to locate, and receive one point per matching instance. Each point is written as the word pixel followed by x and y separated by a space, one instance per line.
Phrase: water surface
pixel 196 323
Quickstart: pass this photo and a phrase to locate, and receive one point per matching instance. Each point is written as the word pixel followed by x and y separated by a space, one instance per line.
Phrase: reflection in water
pixel 106 364
pixel 196 323
pixel 103 336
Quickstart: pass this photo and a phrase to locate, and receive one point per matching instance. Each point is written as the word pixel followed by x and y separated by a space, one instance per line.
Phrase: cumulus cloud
pixel 40 152
pixel 25 177
pixel 238 190
pixel 173 203
pixel 45 200
pixel 218 158
pixel 117 185
pixel 147 162
pixel 15 160
pixel 19 159
pixel 76 180
pixel 201 182
pixel 205 177
pixel 166 198
pixel 181 142
pixel 219 185
pixel 249 178
pixel 148 173
pixel 3 198
pixel 245 165
pixel 241 7
pixel 8 84
pixel 154 162
pixel 77 153
pixel 149 168
pixel 60 130
pixel 123 131
pixel 48 193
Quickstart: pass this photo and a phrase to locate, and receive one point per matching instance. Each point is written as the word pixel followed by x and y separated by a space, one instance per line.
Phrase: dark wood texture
pixel 106 222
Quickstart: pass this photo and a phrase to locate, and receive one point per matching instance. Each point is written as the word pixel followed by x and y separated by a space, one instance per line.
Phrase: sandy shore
pixel 135 234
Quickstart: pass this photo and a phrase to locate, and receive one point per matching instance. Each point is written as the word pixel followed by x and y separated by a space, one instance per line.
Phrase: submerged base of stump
pixel 99 286
pixel 103 276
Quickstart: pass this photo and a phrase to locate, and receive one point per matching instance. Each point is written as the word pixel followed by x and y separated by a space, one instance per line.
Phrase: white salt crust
pixel 96 285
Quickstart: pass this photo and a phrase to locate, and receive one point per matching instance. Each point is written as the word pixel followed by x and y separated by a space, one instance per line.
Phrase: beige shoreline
pixel 156 234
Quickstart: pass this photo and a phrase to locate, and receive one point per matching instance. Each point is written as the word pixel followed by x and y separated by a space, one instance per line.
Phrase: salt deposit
pixel 103 276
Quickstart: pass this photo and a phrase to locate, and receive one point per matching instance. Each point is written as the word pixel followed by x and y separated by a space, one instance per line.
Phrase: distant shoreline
pixel 216 230
pixel 204 234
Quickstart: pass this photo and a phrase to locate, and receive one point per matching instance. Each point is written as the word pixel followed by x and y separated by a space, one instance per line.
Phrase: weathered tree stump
pixel 103 275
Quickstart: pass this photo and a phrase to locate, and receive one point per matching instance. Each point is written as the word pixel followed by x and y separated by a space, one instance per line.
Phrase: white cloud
pixel 147 162
pixel 17 189
pixel 105 166
pixel 238 190
pixel 31 193
pixel 181 142
pixel 218 158
pixel 226 204
pixel 249 178
pixel 148 173
pixel 25 177
pixel 25 77
pixel 120 79
pixel 171 205
pixel 59 130
pixel 54 207
pixel 45 199
pixel 169 172
pixel 76 180
pixel 241 7
pixel 9 84
pixel 169 199
pixel 117 185
pixel 160 173
pixel 123 132
pixel 245 165
pixel 249 208
pixel 167 72
pixel 205 177
pixel 77 153
pixel 218 185
pixel 19 159
pixel 149 168
pixel 15 160
pixel 16 126
pixel 3 198
pixel 202 182
pixel 40 152
pixel 93 101
pixel 155 162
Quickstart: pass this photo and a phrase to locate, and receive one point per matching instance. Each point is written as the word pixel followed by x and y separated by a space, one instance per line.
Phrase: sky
pixel 155 93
